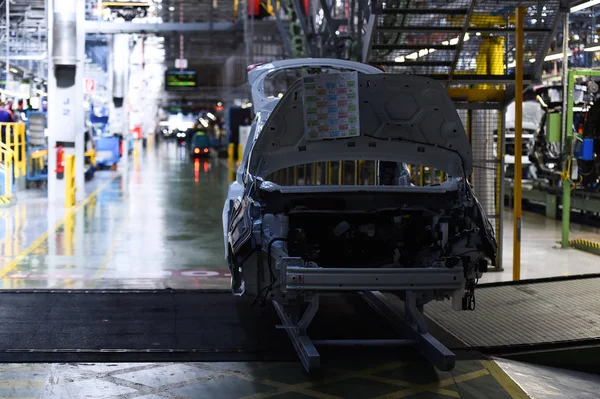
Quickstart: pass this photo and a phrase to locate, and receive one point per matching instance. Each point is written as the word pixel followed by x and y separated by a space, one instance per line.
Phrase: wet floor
pixel 157 226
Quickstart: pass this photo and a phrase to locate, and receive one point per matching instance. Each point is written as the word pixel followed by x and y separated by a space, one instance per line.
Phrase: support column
pixel 567 134
pixel 66 54
pixel 120 83
pixel 518 174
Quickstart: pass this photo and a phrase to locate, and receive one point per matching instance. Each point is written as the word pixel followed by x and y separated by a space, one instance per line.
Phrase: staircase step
pixel 455 29
pixel 409 63
pixel 412 47
pixel 448 29
pixel 423 11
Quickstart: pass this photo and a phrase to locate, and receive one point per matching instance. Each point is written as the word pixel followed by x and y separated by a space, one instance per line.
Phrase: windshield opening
pixel 358 172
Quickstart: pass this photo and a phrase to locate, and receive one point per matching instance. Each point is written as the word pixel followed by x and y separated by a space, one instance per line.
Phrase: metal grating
pixel 527 314
pixel 457 39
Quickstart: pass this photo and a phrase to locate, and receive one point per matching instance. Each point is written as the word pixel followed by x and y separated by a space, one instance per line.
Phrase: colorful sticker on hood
pixel 331 105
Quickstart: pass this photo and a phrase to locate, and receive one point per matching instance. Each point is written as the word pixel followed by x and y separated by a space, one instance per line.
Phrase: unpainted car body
pixel 285 243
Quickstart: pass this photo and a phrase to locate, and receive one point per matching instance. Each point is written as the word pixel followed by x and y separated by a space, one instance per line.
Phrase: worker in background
pixel 5 116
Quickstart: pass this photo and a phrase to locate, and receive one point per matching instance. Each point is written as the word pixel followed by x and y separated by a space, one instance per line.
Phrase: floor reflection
pixel 157 226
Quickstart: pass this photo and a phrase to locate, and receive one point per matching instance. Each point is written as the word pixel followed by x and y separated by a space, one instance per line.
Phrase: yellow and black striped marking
pixel 586 245
pixel 5 200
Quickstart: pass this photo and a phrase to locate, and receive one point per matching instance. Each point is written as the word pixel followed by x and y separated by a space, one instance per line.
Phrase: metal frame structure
pixel 23 27
pixel 568 149
pixel 308 282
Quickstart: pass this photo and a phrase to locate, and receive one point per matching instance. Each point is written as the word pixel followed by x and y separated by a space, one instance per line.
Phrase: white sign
pixel 181 63
pixel 331 105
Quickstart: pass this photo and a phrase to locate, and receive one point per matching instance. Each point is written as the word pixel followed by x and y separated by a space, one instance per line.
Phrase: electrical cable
pixel 265 291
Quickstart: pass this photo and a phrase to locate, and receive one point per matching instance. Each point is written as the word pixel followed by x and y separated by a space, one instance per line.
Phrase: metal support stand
pixel 309 356
pixel 412 326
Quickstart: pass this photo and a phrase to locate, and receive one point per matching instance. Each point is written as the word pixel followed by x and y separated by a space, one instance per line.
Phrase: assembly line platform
pixel 135 273
pixel 526 314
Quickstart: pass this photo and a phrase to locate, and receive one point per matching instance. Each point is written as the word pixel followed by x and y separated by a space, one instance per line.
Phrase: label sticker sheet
pixel 331 105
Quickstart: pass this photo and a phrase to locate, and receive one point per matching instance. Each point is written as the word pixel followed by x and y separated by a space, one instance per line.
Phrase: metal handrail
pixel 14 138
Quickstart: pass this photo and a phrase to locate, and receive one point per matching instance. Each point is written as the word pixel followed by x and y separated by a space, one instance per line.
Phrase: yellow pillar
pixel 70 180
pixel 230 160
pixel 518 177
pixel 240 153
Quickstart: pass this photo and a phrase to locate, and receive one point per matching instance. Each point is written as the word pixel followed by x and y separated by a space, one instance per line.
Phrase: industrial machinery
pixel 125 9
pixel 544 159
pixel 289 244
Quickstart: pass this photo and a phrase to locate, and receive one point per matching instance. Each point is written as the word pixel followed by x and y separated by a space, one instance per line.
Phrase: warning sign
pixel 90 85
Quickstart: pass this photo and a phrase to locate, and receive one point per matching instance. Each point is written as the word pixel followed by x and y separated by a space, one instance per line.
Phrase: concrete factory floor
pixel 158 225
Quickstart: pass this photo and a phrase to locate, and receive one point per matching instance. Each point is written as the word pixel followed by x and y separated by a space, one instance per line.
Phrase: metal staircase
pixel 460 41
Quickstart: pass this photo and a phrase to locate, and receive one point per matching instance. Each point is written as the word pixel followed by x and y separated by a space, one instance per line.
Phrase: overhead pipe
pixel 64 47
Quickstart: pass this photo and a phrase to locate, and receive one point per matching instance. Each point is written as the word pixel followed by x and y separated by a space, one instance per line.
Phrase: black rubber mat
pixel 167 325
pixel 537 313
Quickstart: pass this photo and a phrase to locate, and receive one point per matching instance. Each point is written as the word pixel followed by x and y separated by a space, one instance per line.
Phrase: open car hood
pixel 403 118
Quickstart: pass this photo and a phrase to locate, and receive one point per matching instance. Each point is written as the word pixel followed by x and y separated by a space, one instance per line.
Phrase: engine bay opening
pixel 394 238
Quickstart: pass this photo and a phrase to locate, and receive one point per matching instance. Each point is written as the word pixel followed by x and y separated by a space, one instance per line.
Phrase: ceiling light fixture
pixel 585 5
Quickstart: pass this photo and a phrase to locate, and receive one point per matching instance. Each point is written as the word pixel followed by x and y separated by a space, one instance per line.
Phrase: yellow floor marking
pixel 23 367
pixel 436 386
pixel 22 384
pixel 509 385
pixel 15 262
pixel 303 388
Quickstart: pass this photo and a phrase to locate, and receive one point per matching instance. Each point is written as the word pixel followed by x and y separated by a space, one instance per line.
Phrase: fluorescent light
pixel 399 59
pixel 595 48
pixel 557 56
pixel 211 116
pixel 204 122
pixel 585 5
pixel 532 60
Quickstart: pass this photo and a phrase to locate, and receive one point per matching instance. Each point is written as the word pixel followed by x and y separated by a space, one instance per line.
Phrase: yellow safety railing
pixel 90 156
pixel 70 180
pixel 13 135
pixel 7 159
pixel 37 161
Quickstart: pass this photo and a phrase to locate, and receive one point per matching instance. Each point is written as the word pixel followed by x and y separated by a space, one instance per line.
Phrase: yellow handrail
pixel 8 156
pixel 13 136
